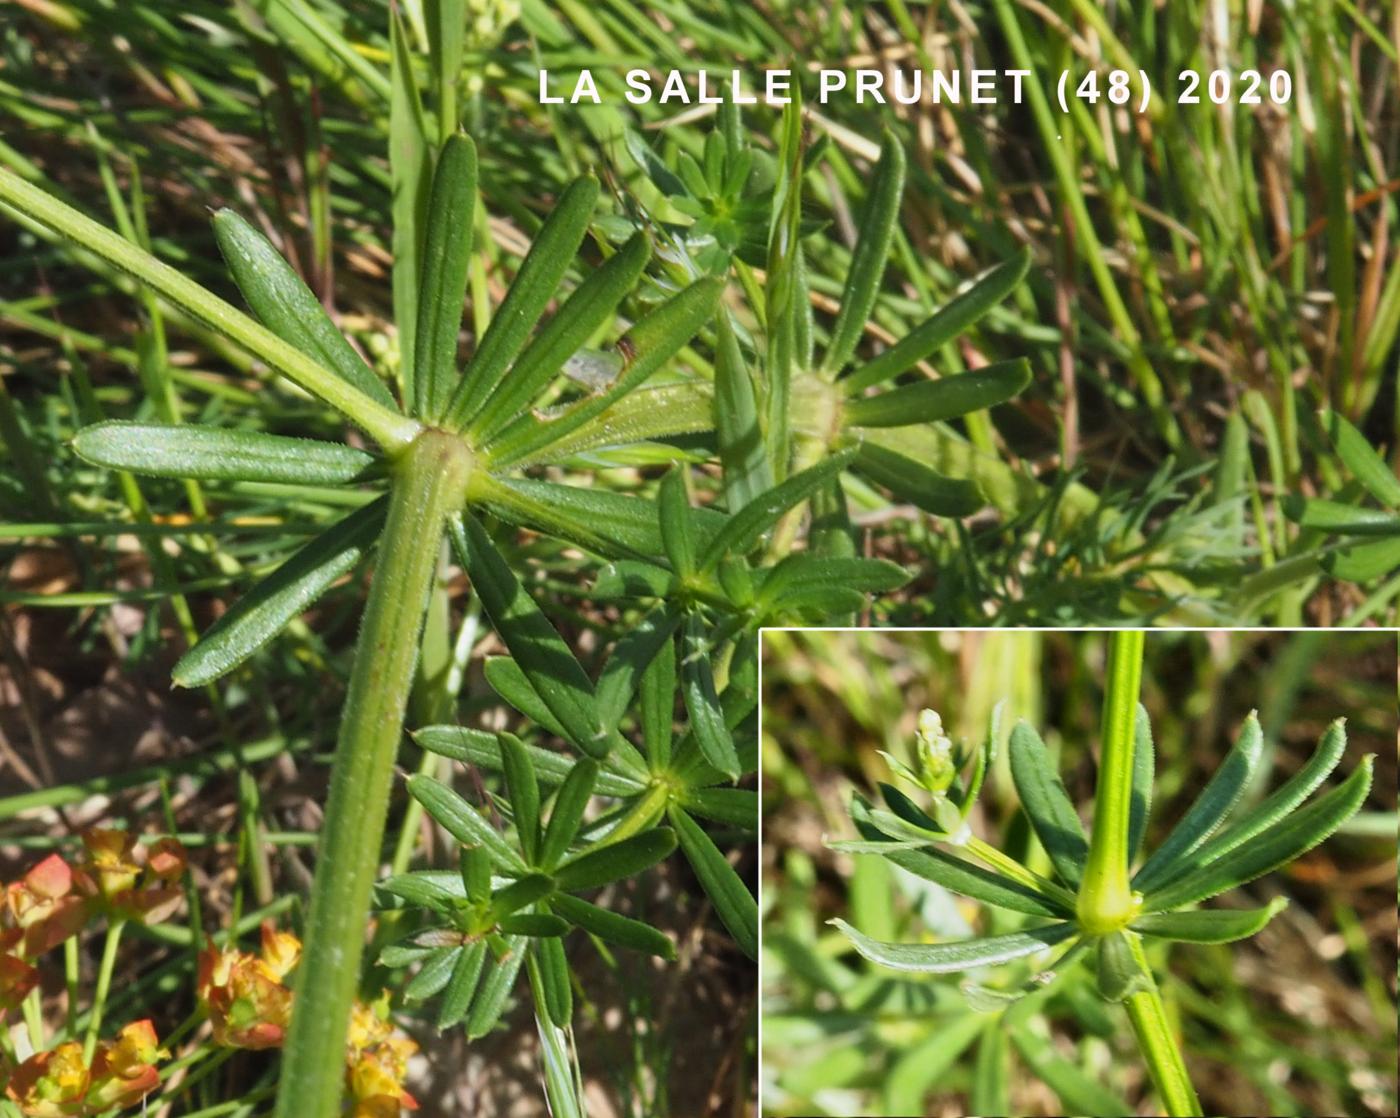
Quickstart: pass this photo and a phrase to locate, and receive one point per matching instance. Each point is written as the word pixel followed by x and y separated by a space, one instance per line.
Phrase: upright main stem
pixel 1158 1044
pixel 428 484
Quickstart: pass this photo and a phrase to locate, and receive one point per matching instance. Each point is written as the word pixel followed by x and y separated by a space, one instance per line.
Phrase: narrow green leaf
pixel 1284 841
pixel 442 290
pixel 946 958
pixel 914 482
pixel 461 985
pixel 676 533
pixel 734 904
pixel 735 807
pixel 797 577
pixel 404 954
pixel 1079 1093
pixel 419 890
pixel 410 176
pixel 435 975
pixel 287 307
pixel 523 789
pixel 554 977
pixel 943 326
pixel 741 450
pixel 490 1003
pixel 585 311
pixel 219 454
pixel 702 702
pixel 538 650
pixel 509 682
pixel 1047 804
pixel 918 1069
pixel 1333 516
pixel 292 588
pixel 632 656
pixel 463 822
pixel 877 228
pixel 654 339
pixel 1206 814
pixel 480 747
pixel 932 401
pixel 742 531
pixel 1118 972
pixel 658 703
pixel 567 813
pixel 991 1071
pixel 519 893
pixel 535 284
pixel 474 865
pixel 1361 458
pixel 1218 925
pixel 536 925
pixel 1143 772
pixel 1361 562
pixel 601 865
pixel 610 926
pixel 1278 804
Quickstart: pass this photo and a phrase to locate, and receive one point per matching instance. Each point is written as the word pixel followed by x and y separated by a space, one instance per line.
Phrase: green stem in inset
pixel 1106 901
pixel 1158 1045
pixel 428 485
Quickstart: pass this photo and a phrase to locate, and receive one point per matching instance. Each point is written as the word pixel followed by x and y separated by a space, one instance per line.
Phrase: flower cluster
pixel 249 1002
pixel 59 1083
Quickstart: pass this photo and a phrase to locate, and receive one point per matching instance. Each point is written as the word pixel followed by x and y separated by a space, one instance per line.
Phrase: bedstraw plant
pixel 1096 903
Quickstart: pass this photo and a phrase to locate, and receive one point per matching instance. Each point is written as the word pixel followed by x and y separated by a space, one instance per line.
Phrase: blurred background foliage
pixel 1298 1020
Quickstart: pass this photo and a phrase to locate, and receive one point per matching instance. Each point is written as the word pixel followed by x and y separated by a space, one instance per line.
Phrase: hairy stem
pixel 1158 1045
pixel 1105 896
pixel 428 485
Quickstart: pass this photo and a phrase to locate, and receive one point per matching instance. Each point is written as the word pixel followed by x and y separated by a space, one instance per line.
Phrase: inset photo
pixel 1078 872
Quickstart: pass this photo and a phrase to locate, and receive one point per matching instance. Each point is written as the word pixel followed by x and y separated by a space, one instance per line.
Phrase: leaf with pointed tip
pixel 658 699
pixel 796 577
pixel 537 925
pixel 463 822
pixel 480 747
pixel 490 1001
pixel 186 450
pixel 741 449
pixel 1047 804
pixel 932 401
pixel 877 228
pixel 734 904
pixel 610 926
pixel 1361 562
pixel 287 307
pixel 538 650
pixel 632 657
pixel 612 861
pixel 735 807
pixel 742 531
pixel 523 788
pixel 519 893
pixel 567 813
pixel 590 305
pixel 435 975
pixel 943 326
pixel 1334 516
pixel 967 954
pixel 702 703
pixel 1217 925
pixel 676 535
pixel 535 284
pixel 461 986
pixel 442 288
pixel 1361 458
pixel 1206 814
pixel 419 890
pixel 1140 801
pixel 265 610
pixel 1284 841
pixel 916 483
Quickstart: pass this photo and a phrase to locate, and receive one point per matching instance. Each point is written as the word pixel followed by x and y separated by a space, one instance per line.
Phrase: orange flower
pixel 247 1004
pixel 377 1062
pixel 51 1084
pixel 280 951
pixel 42 909
pixel 133 882
pixel 123 1072
pixel 17 978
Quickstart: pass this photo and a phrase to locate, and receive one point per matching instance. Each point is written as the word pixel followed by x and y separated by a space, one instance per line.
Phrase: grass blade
pixel 1211 926
pixel 292 588
pixel 1047 804
pixel 1368 467
pixel 219 454
pixel 946 958
pixel 1279 845
pixel 734 904
pixel 1211 806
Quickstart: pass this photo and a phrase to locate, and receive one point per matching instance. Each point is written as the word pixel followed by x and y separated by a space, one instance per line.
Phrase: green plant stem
pixel 1105 894
pixel 1158 1045
pixel 1013 869
pixel 428 485
pixel 388 428
pixel 104 986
